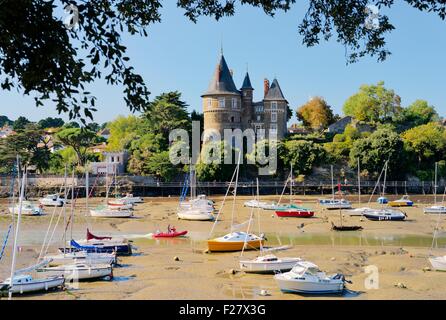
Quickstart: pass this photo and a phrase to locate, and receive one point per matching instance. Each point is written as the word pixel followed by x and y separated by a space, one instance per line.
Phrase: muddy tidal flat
pixel 399 252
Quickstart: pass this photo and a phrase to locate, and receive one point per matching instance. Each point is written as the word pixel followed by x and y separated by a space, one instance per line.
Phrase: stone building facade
pixel 226 107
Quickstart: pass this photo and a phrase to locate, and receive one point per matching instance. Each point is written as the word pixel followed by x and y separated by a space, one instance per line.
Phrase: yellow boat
pixel 235 241
pixel 403 202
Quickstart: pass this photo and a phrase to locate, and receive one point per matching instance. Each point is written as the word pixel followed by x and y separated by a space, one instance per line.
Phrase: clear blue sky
pixel 180 55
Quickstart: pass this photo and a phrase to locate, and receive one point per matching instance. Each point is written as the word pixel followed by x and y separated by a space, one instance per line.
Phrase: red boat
pixel 295 213
pixel 171 233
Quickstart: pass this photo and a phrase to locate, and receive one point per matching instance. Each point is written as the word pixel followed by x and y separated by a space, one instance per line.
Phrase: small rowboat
pixel 345 228
pixel 171 233
pixel 295 213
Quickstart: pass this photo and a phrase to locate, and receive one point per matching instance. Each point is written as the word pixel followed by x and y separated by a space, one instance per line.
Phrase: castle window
pixel 232 119
pixel 273 116
pixel 274 105
pixel 221 102
pixel 259 109
pixel 209 102
pixel 234 103
pixel 259 118
pixel 273 127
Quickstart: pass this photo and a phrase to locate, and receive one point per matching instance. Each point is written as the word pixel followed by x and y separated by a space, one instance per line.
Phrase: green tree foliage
pixel 4 120
pixel 160 165
pixel 51 123
pixel 29 145
pixel 208 170
pixel 339 148
pixel 141 151
pixel 427 143
pixel 373 103
pixel 52 62
pixel 417 114
pixel 316 114
pixel 373 151
pixel 166 113
pixel 304 155
pixel 20 123
pixel 80 139
pixel 124 130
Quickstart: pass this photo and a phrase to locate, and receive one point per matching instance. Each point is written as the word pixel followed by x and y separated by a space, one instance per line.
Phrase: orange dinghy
pixel 235 241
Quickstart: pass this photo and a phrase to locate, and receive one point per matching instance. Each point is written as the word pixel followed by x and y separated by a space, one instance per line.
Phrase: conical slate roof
pixel 222 82
pixel 247 82
pixel 275 93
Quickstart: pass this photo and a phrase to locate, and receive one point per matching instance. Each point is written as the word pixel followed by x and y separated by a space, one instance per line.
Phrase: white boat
pixel 28 209
pixel 255 204
pixel 435 209
pixel 52 200
pixel 129 199
pixel 25 284
pixel 79 271
pixel 195 214
pixel 384 215
pixel 357 211
pixel 333 204
pixel 81 257
pixel 107 212
pixel 305 277
pixel 197 208
pixel 268 264
pixel 438 263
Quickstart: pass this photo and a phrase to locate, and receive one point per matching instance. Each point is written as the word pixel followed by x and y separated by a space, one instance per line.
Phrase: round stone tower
pixel 222 102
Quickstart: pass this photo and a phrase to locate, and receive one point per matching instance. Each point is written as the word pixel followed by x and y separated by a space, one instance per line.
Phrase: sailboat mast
pixel 72 206
pixel 16 236
pixel 87 187
pixel 435 186
pixel 332 182
pixel 235 192
pixel 359 182
pixel 64 237
pixel 291 183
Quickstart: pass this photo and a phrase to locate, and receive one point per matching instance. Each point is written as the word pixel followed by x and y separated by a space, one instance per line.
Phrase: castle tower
pixel 276 110
pixel 222 105
pixel 247 102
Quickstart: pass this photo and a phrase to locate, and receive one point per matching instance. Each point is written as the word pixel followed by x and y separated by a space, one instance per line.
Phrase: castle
pixel 226 107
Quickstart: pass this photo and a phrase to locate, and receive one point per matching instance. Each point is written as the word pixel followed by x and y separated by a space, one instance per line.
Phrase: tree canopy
pixel 316 114
pixel 57 59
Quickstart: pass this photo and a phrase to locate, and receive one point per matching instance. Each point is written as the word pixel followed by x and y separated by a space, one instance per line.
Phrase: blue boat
pixel 383 200
pixel 124 249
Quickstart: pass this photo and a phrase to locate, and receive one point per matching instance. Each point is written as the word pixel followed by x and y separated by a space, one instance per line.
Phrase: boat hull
pixel 229 246
pixel 435 209
pixel 81 257
pixel 396 204
pixel 169 234
pixel 111 213
pixel 295 214
pixel 438 263
pixel 306 287
pixel 384 218
pixel 88 273
pixel 267 267
pixel 202 216
pixel 34 286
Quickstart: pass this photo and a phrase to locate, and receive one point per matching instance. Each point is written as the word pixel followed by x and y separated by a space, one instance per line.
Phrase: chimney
pixel 265 86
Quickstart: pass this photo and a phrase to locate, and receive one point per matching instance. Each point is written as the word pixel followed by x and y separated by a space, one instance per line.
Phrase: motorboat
pixel 81 257
pixel 236 241
pixel 268 264
pixel 438 263
pixel 435 209
pixel 52 200
pixel 79 271
pixel 333 204
pixel 171 233
pixel 384 215
pixel 24 283
pixel 305 277
pixel 403 202
pixel 28 209
pixel 107 212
